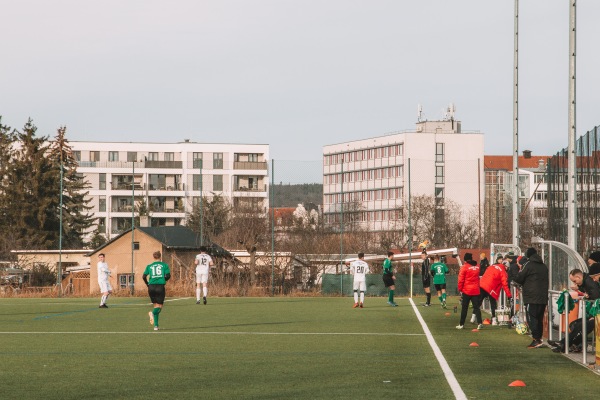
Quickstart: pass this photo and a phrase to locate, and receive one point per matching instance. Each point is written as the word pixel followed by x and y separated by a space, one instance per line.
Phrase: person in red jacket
pixel 468 285
pixel 492 282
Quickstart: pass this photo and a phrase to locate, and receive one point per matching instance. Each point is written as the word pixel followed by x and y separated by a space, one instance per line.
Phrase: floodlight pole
pixel 342 228
pixel 132 227
pixel 515 185
pixel 572 182
pixel 272 205
pixel 201 209
pixel 410 240
pixel 60 229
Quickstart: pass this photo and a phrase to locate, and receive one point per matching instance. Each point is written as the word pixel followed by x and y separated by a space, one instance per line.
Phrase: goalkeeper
pixel 389 279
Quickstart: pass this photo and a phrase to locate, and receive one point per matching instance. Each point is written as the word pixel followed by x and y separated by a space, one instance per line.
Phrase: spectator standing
pixel 534 279
pixel 468 285
pixel 491 284
pixel 483 264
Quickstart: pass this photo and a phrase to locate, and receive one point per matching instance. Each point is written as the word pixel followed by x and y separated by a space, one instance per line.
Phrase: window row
pixel 366 175
pixel 365 216
pixel 367 154
pixel 134 156
pixel 364 195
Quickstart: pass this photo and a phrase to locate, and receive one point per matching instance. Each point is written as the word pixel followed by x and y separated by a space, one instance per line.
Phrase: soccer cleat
pixel 480 326
pixel 554 343
pixel 426 305
pixel 361 305
pixel 473 318
pixel 460 327
pixel 103 306
pixel 535 344
pixel 197 301
pixel 494 321
pixel 355 305
pixel 156 328
pixel 204 300
pixel 444 305
pixel 151 317
pixel 391 303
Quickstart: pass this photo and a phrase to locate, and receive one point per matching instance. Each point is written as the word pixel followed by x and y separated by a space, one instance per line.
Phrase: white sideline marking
pixel 220 333
pixel 454 385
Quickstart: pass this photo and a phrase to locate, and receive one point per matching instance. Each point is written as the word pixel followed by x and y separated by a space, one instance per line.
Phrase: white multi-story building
pixel 169 178
pixel 373 177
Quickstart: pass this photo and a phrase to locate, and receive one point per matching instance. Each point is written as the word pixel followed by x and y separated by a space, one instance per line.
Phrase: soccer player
pixel 203 263
pixel 359 269
pixel 159 274
pixel 439 271
pixel 426 277
pixel 389 278
pixel 103 280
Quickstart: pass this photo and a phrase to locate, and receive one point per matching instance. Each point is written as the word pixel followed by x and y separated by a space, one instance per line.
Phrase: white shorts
pixel 360 285
pixel 105 287
pixel 201 278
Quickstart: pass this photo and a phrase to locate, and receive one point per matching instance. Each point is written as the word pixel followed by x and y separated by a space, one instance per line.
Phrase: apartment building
pixel 367 182
pixel 169 178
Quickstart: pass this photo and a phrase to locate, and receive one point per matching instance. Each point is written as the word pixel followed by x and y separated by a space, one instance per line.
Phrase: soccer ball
pixel 521 328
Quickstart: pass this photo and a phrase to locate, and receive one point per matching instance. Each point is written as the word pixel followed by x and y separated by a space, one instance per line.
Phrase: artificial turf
pixel 265 348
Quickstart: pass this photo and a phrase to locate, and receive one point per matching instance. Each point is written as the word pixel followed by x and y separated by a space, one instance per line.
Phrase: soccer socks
pixel 103 299
pixel 362 297
pixel 155 312
pixel 205 291
pixel 356 296
pixel 443 297
pixel 391 296
pixel 198 294
pixel 428 298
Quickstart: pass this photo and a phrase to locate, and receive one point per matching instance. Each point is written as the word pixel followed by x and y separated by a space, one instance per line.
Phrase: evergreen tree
pixel 7 140
pixel 76 218
pixel 216 216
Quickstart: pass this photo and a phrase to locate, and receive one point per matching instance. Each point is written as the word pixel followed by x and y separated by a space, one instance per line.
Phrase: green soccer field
pixel 267 348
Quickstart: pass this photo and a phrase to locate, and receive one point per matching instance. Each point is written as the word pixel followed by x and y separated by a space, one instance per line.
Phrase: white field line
pixel 454 385
pixel 221 333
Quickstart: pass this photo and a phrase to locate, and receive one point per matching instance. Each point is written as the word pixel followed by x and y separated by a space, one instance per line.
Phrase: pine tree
pixel 76 218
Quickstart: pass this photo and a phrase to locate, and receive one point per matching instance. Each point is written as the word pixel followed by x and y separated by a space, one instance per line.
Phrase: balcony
pixel 255 165
pixel 256 188
pixel 130 165
pixel 169 188
pixel 127 186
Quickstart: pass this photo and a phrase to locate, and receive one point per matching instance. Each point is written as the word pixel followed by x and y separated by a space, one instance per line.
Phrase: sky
pixel 294 74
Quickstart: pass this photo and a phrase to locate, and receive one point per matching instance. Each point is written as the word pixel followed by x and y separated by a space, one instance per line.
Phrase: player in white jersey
pixel 103 280
pixel 359 269
pixel 203 263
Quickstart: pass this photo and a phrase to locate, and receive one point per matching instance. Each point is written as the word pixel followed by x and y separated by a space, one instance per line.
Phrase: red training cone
pixel 517 383
pixel 475 330
pixel 447 314
pixel 474 344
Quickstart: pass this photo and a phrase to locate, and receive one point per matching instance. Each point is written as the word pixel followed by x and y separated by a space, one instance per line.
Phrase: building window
pixel 102 203
pixel 157 181
pixel 217 160
pixel 94 156
pixel 102 181
pixel 197 160
pixel 439 174
pixel 253 157
pixel 196 182
pixel 169 156
pixel 439 152
pixel 113 156
pixel 102 225
pixel 77 155
pixel 218 182
pixel 131 156
pixel 125 280
pixel 153 156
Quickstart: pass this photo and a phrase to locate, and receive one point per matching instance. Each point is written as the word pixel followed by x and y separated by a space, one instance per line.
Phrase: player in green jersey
pixel 159 274
pixel 389 279
pixel 439 271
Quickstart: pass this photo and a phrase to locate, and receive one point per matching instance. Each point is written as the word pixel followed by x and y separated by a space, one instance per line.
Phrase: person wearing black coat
pixel 534 279
pixel 483 264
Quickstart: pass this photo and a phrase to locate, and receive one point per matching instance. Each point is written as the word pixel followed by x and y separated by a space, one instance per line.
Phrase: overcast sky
pixel 295 74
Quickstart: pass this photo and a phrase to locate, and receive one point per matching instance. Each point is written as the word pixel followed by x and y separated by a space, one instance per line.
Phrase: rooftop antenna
pixel 419 112
pixel 449 112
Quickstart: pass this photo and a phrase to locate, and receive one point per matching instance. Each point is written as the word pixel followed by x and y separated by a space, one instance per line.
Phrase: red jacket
pixel 468 278
pixel 495 279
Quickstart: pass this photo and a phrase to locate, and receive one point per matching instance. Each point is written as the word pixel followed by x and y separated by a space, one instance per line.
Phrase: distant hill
pixel 288 195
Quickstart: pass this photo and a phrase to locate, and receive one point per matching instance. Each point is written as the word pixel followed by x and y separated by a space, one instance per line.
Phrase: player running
pixel 439 271
pixel 159 274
